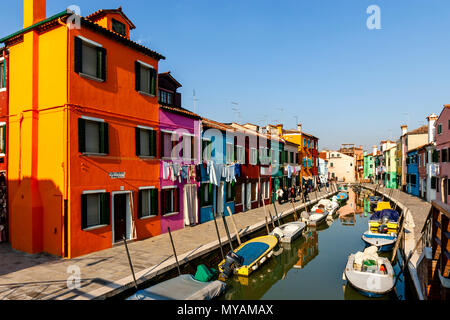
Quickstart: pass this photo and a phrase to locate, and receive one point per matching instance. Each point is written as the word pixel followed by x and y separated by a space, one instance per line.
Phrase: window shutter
pixel 163 204
pixel 137 72
pixel 83 211
pixel 102 63
pixel 201 195
pixel 105 208
pixel 153 76
pixel 138 141
pixel 140 204
pixel 81 135
pixel 104 138
pixel 153 150
pixel 154 201
pixel 176 203
pixel 3 139
pixel 78 44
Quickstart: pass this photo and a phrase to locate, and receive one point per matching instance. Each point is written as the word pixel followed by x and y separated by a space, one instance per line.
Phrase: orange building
pixel 81 96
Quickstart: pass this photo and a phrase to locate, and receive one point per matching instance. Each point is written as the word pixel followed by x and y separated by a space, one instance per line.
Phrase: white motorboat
pixel 289 232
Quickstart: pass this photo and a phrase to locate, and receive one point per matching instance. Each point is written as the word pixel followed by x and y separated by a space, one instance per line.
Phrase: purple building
pixel 442 157
pixel 180 153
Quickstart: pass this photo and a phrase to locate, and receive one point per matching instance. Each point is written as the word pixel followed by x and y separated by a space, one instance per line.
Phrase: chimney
pixel 404 129
pixel 34 11
pixel 431 122
pixel 299 127
pixel 374 150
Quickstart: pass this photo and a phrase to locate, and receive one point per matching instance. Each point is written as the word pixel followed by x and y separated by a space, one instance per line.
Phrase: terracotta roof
pixel 88 23
pixel 180 110
pixel 169 75
pixel 103 12
pixel 421 130
pixel 420 147
pixel 216 125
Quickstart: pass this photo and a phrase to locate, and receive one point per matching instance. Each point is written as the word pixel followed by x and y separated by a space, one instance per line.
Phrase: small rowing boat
pixel 371 275
pixel 248 257
pixel 289 232
pixel 314 218
pixel 183 287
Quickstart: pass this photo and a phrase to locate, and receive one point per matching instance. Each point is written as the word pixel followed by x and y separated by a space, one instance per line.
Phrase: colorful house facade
pixel 412 176
pixel 4 217
pixel 442 134
pixel 390 158
pixel 180 154
pixel 72 142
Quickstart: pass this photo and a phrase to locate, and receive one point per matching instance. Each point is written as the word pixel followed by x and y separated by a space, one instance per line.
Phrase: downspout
pixel 66 220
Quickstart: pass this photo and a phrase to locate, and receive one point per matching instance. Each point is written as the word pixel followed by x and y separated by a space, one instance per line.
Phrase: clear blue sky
pixel 314 60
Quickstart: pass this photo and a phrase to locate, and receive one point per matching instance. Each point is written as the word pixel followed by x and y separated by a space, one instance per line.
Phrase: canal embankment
pixel 106 274
pixel 415 212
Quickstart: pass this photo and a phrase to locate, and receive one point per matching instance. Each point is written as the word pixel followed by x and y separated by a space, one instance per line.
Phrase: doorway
pixel 121 216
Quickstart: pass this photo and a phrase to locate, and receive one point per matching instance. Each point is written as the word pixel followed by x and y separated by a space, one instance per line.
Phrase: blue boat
pixel 384 242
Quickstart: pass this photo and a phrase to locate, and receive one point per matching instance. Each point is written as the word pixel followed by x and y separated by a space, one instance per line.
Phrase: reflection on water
pixel 312 266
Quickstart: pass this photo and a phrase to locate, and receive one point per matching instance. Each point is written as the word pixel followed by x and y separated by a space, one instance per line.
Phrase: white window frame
pixel 253 156
pixel 230 155
pixel 240 154
pixel 99 192
pixel 150 202
pixel 94 44
pixel 174 213
pixel 147 66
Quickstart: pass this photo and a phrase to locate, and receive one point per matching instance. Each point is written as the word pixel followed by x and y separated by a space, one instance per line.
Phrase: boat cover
pixel 252 251
pixel 391 214
pixel 183 287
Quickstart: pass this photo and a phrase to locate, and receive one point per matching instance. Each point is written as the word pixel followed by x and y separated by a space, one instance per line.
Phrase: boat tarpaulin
pixel 391 214
pixel 183 287
pixel 252 251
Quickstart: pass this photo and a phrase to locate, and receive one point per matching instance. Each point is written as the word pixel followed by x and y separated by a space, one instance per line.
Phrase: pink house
pixel 442 128
pixel 180 153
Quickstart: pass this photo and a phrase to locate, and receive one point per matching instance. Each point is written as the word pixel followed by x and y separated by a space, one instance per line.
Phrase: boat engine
pixel 383 227
pixel 232 260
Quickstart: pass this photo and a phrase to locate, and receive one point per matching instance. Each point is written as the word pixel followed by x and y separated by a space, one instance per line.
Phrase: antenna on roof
pixel 194 99
pixel 235 110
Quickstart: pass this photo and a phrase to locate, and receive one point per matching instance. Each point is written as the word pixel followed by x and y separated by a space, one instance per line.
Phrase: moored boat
pixel 384 221
pixel 289 232
pixel 248 257
pixel 183 287
pixel 371 275
pixel 384 242
pixel 314 218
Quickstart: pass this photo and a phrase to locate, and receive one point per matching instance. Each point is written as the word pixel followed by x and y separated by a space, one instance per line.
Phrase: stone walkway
pixel 106 273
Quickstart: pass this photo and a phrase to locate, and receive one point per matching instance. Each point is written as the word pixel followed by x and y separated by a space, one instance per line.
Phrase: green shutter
pixel 201 195
pixel 78 44
pixel 153 77
pixel 138 141
pixel 81 135
pixel 105 205
pixel 102 63
pixel 3 80
pixel 137 72
pixel 154 201
pixel 153 140
pixel 3 149
pixel 83 211
pixel 104 138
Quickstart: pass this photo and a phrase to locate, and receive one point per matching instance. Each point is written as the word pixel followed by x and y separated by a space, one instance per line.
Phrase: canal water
pixel 312 266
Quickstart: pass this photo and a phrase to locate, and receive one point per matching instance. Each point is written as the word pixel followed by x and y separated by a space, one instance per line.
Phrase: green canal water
pixel 312 266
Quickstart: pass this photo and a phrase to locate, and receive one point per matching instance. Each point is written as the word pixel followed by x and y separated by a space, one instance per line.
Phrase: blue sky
pixel 315 61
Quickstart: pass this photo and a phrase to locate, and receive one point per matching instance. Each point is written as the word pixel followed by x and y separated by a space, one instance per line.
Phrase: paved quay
pixel 106 273
pixel 417 211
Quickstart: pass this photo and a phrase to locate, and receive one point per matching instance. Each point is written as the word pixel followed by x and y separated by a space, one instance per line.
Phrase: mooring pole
pixel 129 261
pixel 174 252
pixel 227 231
pixel 218 236
pixel 276 214
pixel 234 225
pixel 267 225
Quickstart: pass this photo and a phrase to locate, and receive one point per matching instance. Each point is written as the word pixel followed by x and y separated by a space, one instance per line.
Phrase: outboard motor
pixel 232 260
pixel 383 227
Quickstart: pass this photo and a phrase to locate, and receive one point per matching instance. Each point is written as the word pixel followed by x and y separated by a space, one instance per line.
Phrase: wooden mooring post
pixel 401 235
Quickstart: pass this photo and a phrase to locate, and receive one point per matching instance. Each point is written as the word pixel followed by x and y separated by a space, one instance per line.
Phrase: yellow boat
pixel 249 256
pixel 383 205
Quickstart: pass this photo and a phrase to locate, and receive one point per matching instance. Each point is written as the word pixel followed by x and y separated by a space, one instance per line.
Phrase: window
pixel 119 27
pixel 439 129
pixel 296 158
pixel 145 78
pixel 265 190
pixel 444 155
pixel 412 179
pixel 2 74
pixel 291 157
pixel 230 191
pixel 309 163
pixel 90 59
pixel 206 195
pixel 286 157
pixel 238 198
pixel 169 201
pixel 433 183
pixel 145 142
pixel 95 209
pixel 230 152
pixel 2 138
pixel 165 97
pixel 253 191
pixel 253 156
pixel 93 136
pixel 207 149
pixel 148 203
pixel 240 154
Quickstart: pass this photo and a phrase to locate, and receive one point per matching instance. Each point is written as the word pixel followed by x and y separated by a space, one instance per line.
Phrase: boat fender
pixel 255 267
pixel 262 260
pixel 270 254
pixel 278 233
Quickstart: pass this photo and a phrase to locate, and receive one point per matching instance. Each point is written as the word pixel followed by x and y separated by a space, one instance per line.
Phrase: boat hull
pixel 384 242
